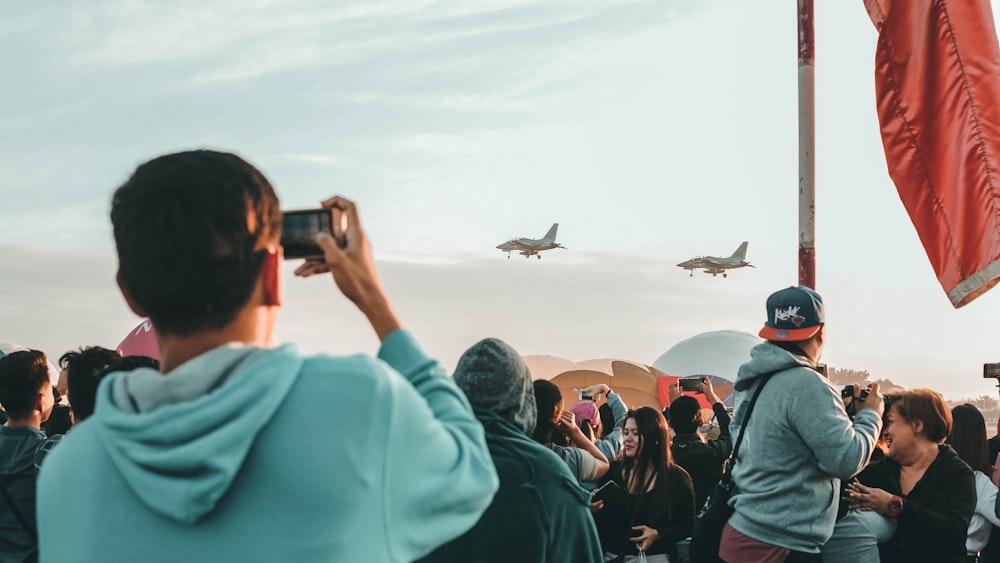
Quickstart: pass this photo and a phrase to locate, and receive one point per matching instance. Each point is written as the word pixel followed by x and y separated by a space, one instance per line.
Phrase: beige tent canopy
pixel 546 367
pixel 635 382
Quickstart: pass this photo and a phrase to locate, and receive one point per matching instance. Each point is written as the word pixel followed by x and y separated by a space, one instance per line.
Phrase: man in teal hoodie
pixel 799 441
pixel 218 456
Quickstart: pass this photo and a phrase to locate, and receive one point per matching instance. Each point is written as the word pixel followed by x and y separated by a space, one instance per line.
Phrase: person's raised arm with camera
pixel 436 446
pixel 353 269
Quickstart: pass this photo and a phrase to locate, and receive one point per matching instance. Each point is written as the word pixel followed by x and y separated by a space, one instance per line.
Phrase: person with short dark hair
pixel 538 515
pixel 26 394
pixel 84 384
pixel 78 370
pixel 216 456
pixel 922 484
pixel 800 442
pixel 701 458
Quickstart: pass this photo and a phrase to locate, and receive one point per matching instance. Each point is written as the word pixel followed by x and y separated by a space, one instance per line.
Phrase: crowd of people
pixel 219 451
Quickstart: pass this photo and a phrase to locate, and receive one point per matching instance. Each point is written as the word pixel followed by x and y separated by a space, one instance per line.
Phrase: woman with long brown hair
pixel 654 506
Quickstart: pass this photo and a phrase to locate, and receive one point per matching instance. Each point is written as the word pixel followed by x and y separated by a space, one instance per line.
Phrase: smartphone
pixel 991 371
pixel 300 227
pixel 605 491
pixel 587 397
pixel 690 384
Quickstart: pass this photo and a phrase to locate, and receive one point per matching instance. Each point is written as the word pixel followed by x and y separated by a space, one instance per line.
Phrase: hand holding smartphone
pixel 690 384
pixel 605 491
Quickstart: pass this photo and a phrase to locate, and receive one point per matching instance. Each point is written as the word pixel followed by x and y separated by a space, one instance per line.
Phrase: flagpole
pixel 807 140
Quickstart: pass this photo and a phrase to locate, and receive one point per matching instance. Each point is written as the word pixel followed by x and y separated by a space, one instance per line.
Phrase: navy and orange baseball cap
pixel 793 315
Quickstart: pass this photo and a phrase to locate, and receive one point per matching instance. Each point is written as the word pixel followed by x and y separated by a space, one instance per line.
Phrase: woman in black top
pixel 921 483
pixel 655 505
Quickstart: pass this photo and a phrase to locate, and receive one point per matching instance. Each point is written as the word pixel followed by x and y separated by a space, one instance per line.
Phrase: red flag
pixel 937 83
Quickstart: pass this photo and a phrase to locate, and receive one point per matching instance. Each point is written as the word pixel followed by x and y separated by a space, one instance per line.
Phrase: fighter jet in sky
pixel 716 265
pixel 529 247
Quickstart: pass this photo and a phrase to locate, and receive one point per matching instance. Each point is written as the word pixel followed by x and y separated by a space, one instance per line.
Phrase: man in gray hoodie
pixel 800 442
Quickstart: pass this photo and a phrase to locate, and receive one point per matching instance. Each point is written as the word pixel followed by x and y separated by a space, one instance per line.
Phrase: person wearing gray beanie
pixel 539 513
pixel 495 378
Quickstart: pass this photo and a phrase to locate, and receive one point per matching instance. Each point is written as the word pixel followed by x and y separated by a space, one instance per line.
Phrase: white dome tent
pixel 719 353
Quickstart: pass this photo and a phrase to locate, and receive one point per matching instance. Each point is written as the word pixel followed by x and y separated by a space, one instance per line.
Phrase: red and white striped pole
pixel 807 143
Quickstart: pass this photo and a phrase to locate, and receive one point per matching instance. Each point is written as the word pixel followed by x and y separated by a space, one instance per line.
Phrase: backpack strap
pixel 746 420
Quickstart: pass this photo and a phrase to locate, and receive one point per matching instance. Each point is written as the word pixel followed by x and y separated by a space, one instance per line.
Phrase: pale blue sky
pixel 651 131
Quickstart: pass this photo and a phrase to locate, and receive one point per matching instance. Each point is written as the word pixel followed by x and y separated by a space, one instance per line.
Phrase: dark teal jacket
pixel 18 449
pixel 540 514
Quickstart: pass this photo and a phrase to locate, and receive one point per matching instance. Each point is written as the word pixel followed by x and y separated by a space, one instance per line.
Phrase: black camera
pixel 851 400
pixel 848 392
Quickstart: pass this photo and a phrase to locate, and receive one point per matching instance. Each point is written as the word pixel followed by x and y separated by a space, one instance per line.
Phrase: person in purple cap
pixel 588 418
pixel 799 443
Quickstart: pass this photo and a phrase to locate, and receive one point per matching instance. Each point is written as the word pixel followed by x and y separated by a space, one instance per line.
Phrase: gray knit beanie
pixel 494 377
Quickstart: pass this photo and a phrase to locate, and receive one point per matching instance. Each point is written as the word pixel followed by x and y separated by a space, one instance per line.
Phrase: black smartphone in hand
pixel 690 384
pixel 605 491
pixel 300 227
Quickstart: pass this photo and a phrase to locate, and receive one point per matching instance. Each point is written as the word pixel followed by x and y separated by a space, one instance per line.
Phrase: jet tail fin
pixel 551 235
pixel 741 252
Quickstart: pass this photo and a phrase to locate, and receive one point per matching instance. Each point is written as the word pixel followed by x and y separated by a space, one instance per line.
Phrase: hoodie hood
pixel 180 439
pixel 767 358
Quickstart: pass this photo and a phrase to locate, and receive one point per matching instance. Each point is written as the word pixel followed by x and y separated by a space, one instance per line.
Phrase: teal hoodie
pixel 799 445
pixel 251 454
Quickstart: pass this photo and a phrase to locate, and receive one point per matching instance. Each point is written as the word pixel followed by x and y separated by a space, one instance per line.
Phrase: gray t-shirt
pixel 581 464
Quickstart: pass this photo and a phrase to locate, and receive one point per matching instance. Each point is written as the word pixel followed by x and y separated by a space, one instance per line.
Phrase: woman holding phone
pixel 655 506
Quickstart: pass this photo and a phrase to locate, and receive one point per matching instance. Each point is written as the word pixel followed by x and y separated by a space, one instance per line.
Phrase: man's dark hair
pixel 84 395
pixel 685 414
pixel 81 365
pixel 23 374
pixel 191 230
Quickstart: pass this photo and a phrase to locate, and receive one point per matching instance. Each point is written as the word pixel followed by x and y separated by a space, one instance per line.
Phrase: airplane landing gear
pixel 539 256
pixel 692 274
pixel 723 274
